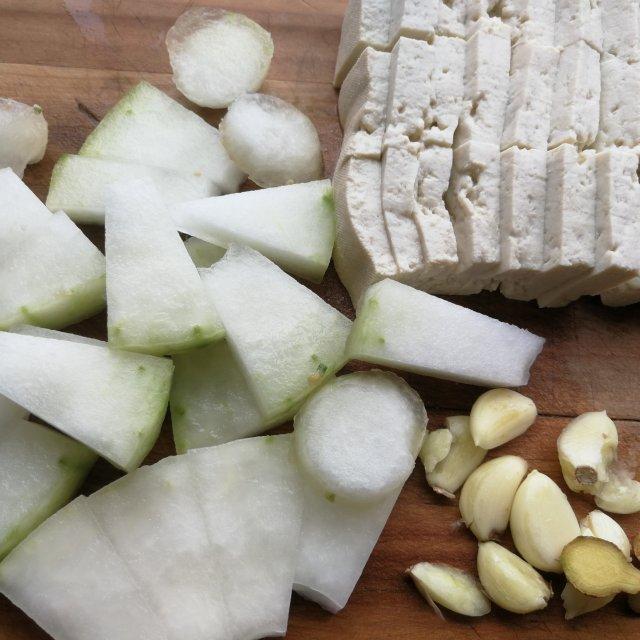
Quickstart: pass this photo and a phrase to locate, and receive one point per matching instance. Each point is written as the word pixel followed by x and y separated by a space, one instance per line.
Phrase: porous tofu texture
pixel 621 28
pixel 422 19
pixel 579 20
pixel 623 295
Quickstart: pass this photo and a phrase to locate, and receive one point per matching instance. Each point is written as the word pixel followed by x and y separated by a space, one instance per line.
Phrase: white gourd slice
pixel 50 273
pixel 40 470
pixel 203 254
pixel 292 225
pixel 217 55
pixel 272 141
pixel 357 438
pixel 407 329
pixel 156 301
pixel 68 578
pixel 148 127
pixel 112 401
pixel 251 498
pixel 23 135
pixel 286 338
pixel 78 185
pixel 10 411
pixel 211 402
pixel 155 523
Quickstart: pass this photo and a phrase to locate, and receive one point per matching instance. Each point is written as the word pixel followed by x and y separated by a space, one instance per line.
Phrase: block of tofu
pixel 619 113
pixel 423 19
pixel 366 24
pixel 621 28
pixel 531 84
pixel 474 203
pixel 617 229
pixel 486 86
pixel 362 254
pixel 576 106
pixel 522 207
pixel 362 105
pixel 425 91
pixel 579 21
pixel 623 295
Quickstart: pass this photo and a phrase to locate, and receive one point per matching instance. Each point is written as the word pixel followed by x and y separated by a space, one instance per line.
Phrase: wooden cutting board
pixel 76 57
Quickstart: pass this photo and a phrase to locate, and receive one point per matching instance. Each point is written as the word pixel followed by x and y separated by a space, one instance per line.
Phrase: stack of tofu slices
pixel 491 144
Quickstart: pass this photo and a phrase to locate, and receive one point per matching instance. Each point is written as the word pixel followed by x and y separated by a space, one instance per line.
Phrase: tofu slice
pixel 362 254
pixel 522 206
pixel 622 295
pixel 423 19
pixel 486 86
pixel 621 28
pixel 366 24
pixel 579 21
pixel 619 113
pixel 617 229
pixel 576 105
pixel 531 85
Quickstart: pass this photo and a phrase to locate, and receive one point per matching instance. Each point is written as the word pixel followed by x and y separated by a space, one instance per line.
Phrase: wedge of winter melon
pixel 292 225
pixel 157 303
pixel 40 470
pixel 78 185
pixel 111 401
pixel 10 411
pixel 50 273
pixel 203 254
pixel 69 579
pixel 286 339
pixel 148 127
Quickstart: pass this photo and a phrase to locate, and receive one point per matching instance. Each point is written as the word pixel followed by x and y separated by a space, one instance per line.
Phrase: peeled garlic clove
pixel 436 447
pixel 600 525
pixel 598 568
pixel 634 603
pixel 621 494
pixel 636 546
pixel 577 604
pixel 542 522
pixel 509 581
pixel 500 415
pixel 586 447
pixel 463 457
pixel 451 588
pixel 487 495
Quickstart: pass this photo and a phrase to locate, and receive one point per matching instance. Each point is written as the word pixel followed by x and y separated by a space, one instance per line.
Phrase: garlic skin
pixel 600 525
pixel 587 447
pixel 509 581
pixel 500 415
pixel 451 588
pixel 621 494
pixel 577 603
pixel 463 457
pixel 487 495
pixel 436 447
pixel 542 522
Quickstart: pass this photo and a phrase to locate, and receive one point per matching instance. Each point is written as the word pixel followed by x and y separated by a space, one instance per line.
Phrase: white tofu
pixel 474 203
pixel 522 206
pixel 619 111
pixel 486 87
pixel 362 254
pixel 531 84
pixel 576 106
pixel 621 28
pixel 623 295
pixel 366 24
pixel 579 20
pixel 422 19
pixel 617 229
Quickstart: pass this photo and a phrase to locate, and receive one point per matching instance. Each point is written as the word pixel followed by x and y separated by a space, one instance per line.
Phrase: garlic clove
pixel 487 495
pixel 621 494
pixel 436 447
pixel 500 415
pixel 577 604
pixel 600 525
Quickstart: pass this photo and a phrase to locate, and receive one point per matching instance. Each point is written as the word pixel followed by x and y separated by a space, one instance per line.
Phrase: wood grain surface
pixel 76 57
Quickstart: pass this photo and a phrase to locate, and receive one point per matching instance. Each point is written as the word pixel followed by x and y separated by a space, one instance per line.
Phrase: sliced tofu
pixel 623 295
pixel 576 105
pixel 621 28
pixel 486 86
pixel 522 206
pixel 531 84
pixel 617 229
pixel 619 113
pixel 362 254
pixel 579 21
pixel 362 105
pixel 423 19
pixel 366 24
